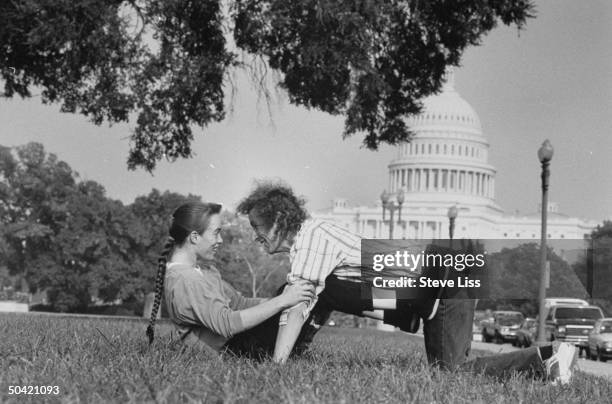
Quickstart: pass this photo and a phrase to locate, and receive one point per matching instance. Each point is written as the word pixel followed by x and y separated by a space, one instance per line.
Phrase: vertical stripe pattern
pixel 321 248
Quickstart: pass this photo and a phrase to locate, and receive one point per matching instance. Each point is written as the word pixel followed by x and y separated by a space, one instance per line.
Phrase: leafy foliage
pixel 166 61
pixel 371 60
pixel 595 270
pixel 512 273
pixel 33 201
pixel 93 57
pixel 66 236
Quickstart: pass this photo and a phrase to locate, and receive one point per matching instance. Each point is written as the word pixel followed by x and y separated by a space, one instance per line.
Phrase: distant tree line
pixel 566 280
pixel 63 235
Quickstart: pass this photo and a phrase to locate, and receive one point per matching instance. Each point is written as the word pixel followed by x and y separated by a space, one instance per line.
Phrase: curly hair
pixel 275 201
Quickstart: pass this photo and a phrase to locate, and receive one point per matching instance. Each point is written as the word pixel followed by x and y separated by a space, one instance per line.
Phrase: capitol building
pixel 447 164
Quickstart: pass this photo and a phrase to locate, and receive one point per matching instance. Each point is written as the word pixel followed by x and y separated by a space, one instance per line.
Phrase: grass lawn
pixel 110 361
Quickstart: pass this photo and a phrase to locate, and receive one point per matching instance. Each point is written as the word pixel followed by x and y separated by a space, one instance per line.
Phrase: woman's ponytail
pixel 159 286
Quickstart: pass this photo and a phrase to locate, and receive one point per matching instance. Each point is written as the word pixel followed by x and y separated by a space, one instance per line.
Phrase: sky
pixel 552 80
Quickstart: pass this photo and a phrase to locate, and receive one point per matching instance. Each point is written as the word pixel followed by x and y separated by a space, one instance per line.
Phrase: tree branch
pixel 143 18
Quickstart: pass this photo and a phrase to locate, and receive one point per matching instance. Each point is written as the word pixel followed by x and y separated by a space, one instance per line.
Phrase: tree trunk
pixel 253 277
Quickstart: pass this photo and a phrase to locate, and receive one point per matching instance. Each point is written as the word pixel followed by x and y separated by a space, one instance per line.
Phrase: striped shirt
pixel 321 248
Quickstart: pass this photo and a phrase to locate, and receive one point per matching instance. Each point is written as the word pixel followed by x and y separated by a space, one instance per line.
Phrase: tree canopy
pixel 64 235
pixel 165 63
pixel 595 268
pixel 511 273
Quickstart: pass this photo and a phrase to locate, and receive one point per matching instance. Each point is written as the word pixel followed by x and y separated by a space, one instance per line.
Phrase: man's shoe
pixel 560 366
pixel 405 317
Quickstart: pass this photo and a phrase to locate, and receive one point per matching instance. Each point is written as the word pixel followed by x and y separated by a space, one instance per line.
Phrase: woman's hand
pixel 297 292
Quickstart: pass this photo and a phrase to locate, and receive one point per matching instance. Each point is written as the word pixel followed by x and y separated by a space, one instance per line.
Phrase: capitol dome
pixel 446 161
pixel 447 110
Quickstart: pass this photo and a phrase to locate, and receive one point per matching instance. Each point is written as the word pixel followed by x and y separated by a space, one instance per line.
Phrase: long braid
pixel 159 286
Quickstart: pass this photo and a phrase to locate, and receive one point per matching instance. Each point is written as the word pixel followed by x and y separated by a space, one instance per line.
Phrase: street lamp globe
pixel 384 197
pixel 545 152
pixel 452 212
pixel 400 196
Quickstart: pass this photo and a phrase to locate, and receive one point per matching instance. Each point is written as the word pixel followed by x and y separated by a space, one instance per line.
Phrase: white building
pixel 446 164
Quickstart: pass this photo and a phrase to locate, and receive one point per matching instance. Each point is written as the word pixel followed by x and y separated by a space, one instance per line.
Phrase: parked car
pixel 572 323
pixel 525 336
pixel 565 301
pixel 560 301
pixel 503 326
pixel 600 340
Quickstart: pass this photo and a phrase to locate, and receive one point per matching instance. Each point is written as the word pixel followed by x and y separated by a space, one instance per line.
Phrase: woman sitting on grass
pixel 206 310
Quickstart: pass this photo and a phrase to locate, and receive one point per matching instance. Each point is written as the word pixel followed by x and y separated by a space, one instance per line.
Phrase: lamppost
pixel 452 215
pixel 545 154
pixel 391 207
